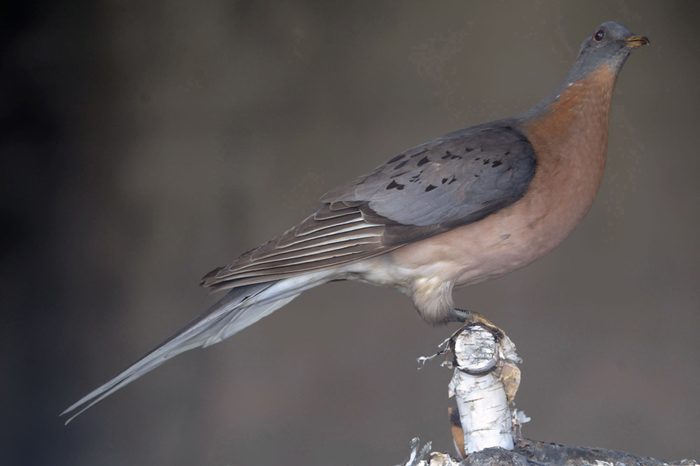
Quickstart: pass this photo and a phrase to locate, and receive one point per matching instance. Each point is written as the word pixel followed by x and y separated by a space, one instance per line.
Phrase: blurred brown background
pixel 144 143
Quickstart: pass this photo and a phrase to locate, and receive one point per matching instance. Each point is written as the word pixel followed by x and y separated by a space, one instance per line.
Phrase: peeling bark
pixel 486 427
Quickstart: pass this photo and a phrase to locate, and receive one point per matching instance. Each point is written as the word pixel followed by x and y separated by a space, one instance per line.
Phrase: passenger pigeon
pixel 466 207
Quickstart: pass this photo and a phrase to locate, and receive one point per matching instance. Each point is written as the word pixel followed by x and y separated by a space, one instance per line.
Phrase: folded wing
pixel 453 180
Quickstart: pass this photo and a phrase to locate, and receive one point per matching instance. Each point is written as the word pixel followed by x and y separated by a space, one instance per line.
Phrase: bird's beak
pixel 634 42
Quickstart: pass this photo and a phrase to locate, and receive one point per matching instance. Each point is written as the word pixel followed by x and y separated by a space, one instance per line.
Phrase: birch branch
pixel 486 427
pixel 483 404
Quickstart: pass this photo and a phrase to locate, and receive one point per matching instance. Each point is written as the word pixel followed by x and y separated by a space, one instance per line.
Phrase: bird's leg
pixel 465 316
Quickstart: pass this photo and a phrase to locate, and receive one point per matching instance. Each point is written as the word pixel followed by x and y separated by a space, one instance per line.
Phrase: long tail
pixel 240 308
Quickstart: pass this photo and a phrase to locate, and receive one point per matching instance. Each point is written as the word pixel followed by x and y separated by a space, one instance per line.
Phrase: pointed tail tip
pixel 75 412
pixel 69 419
pixel 223 319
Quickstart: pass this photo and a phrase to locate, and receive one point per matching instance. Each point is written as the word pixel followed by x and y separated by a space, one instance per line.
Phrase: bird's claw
pixel 468 317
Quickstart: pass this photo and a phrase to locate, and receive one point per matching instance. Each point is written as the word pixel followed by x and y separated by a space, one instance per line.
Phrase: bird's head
pixel 610 44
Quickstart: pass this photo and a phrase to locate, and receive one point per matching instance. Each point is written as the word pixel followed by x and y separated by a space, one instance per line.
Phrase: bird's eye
pixel 599 35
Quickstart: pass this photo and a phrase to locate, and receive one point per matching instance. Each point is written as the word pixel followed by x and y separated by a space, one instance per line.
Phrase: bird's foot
pixel 467 317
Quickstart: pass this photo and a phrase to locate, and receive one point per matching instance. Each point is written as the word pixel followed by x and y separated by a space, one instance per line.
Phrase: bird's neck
pixel 575 117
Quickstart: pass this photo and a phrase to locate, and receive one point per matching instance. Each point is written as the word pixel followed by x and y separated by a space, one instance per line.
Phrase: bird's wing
pixel 451 181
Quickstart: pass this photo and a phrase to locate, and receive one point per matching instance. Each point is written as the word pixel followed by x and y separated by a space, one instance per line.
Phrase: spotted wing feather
pixel 449 180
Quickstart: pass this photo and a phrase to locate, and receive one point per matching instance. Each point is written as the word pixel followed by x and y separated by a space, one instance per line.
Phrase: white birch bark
pixel 484 385
pixel 484 411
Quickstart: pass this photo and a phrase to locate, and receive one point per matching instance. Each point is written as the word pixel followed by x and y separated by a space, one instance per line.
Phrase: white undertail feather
pixel 240 308
pixel 433 297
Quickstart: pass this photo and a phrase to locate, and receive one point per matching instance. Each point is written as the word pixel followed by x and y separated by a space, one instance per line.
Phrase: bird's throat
pixel 574 123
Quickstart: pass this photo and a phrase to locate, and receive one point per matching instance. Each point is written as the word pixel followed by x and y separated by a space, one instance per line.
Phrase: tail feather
pixel 240 308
